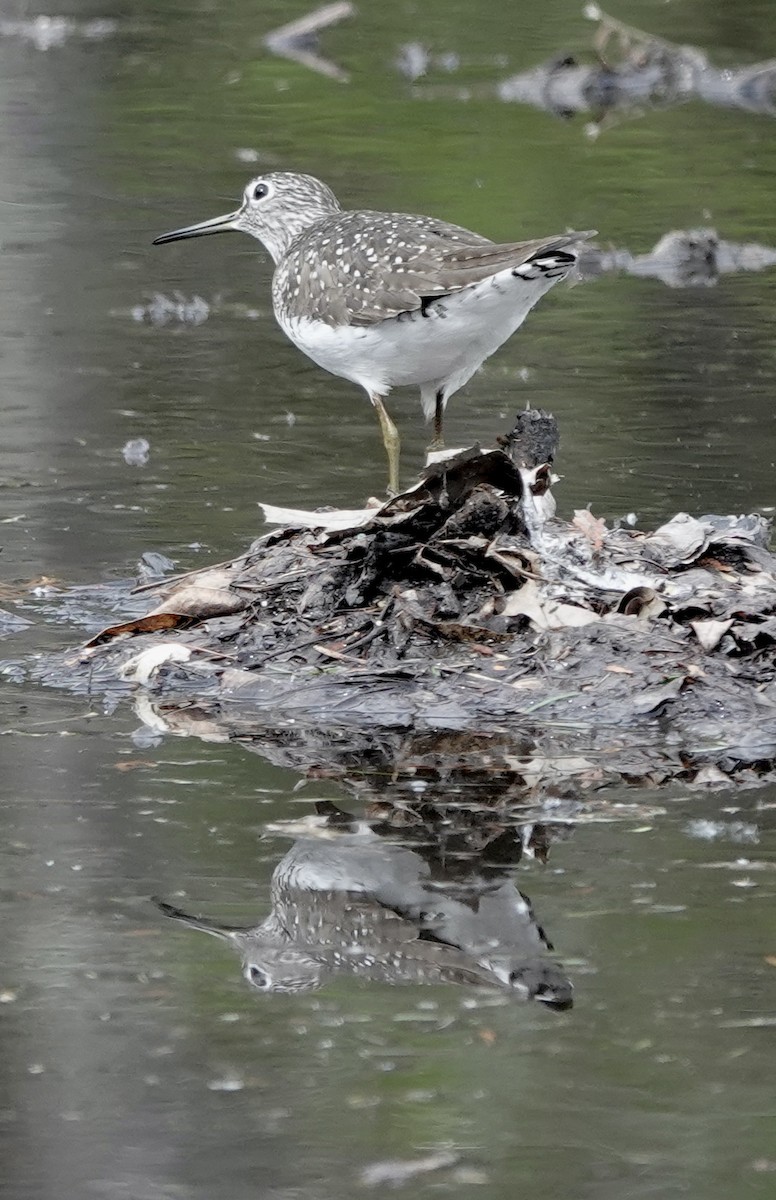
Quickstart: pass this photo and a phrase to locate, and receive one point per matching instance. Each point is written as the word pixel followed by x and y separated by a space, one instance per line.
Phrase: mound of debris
pixel 465 604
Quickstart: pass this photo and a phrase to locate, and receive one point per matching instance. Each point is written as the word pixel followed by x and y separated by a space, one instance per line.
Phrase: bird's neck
pixel 279 239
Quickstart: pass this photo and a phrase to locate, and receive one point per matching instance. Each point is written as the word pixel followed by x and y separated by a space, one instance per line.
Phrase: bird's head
pixel 275 208
pixel 276 969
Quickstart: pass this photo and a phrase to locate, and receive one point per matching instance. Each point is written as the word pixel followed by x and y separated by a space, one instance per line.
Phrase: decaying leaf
pixel 592 528
pixel 545 613
pixel 155 622
pixel 710 633
pixel 642 602
pixel 198 596
pixel 680 540
pixel 653 698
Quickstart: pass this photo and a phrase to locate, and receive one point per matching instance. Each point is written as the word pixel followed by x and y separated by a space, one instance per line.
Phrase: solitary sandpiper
pixel 390 299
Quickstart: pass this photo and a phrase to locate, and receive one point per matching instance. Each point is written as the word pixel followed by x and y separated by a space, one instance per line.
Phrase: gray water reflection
pixel 136 1062
pixel 360 898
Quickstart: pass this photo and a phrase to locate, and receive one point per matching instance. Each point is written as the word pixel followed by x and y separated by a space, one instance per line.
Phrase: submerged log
pixel 465 604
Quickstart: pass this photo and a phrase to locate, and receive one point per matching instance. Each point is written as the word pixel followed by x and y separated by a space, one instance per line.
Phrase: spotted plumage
pixel 390 299
pixel 367 904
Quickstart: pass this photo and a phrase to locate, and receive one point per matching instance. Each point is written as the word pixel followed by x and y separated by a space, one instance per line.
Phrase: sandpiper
pixel 390 299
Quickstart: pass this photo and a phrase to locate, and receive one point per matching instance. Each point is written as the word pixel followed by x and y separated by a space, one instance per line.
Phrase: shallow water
pixel 136 1061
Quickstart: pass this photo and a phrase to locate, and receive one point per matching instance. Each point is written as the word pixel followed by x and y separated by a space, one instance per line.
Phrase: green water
pixel 122 1034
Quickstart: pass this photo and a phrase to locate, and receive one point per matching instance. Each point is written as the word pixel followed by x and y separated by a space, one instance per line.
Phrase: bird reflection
pixel 354 899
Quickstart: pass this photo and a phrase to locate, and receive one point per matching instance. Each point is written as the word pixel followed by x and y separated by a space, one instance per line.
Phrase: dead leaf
pixel 153 623
pixel 771 960
pixel 519 562
pixel 487 1036
pixel 206 593
pixel 18 591
pixel 133 764
pixel 593 529
pixel 641 602
pixel 681 540
pixel 715 564
pixel 546 614
pixel 616 669
pixel 710 633
pixel 656 697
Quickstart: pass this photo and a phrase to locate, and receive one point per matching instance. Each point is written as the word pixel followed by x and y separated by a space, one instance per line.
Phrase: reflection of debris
pixel 136 452
pixel 650 72
pixel 299 39
pixel 682 258
pixel 371 900
pixel 414 60
pixel 161 310
pixel 396 1172
pixel 733 831
pixel 47 33
pixel 12 622
pixel 464 604
pixel 153 565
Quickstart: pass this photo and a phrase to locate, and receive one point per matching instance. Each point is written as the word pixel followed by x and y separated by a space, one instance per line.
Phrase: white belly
pixel 442 349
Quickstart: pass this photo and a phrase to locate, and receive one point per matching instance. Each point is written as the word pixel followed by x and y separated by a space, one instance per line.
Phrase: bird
pixel 366 905
pixel 390 299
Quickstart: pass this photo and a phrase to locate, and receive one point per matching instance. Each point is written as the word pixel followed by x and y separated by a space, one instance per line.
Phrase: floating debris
pixel 12 622
pixel 136 452
pixel 395 1172
pixel 732 831
pixel 647 72
pixel 153 565
pixel 227 1083
pixel 49 33
pixel 413 60
pixel 162 310
pixel 681 258
pixel 245 154
pixel 298 40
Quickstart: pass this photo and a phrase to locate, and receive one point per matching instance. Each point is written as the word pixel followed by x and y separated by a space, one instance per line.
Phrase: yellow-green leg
pixel 391 442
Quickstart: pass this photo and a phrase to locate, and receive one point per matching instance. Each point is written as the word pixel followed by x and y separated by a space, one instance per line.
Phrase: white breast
pixel 440 349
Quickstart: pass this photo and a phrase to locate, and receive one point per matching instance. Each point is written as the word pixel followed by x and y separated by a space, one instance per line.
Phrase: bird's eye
pixel 260 191
pixel 257 977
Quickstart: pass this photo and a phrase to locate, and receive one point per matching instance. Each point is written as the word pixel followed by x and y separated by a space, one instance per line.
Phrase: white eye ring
pixel 257 977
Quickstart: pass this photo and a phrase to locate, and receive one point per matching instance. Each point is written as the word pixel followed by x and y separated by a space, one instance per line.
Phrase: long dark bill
pixel 215 225
pixel 177 914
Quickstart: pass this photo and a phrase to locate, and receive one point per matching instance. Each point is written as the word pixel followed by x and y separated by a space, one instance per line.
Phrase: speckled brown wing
pixel 360 268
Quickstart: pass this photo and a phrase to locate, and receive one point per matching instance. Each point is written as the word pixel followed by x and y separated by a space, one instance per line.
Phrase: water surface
pixel 135 1059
